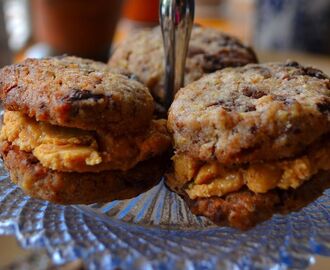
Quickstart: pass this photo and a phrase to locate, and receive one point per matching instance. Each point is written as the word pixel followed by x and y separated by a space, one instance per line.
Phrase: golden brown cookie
pixel 78 188
pixel 209 50
pixel 251 141
pixel 75 92
pixel 243 196
pixel 244 209
pixel 207 179
pixel 77 131
pixel 252 113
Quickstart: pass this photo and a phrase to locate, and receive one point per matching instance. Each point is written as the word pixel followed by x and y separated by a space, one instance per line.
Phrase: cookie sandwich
pixel 209 50
pixel 74 131
pixel 251 141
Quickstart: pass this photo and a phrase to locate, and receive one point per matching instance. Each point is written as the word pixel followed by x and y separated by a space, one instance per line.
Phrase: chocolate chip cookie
pixel 79 188
pixel 209 50
pixel 250 141
pixel 74 92
pixel 260 111
pixel 76 131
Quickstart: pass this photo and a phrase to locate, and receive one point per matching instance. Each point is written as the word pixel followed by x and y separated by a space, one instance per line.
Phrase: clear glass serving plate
pixel 156 231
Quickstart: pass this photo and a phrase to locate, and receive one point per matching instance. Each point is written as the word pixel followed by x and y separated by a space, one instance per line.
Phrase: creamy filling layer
pixel 200 179
pixel 70 149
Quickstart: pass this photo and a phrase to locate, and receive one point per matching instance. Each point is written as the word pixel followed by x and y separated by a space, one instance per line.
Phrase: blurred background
pixel 35 28
pixel 278 29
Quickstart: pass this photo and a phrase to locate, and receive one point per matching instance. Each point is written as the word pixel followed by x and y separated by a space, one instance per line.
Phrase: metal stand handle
pixel 176 19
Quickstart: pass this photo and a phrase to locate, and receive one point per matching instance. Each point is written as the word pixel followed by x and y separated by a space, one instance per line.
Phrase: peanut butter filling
pixel 213 179
pixel 70 149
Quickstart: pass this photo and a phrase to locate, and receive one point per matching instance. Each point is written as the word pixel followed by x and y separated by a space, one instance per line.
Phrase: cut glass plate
pixel 156 231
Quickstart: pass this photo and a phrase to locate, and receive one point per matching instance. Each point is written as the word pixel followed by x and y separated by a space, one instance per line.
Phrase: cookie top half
pixel 209 50
pixel 74 92
pixel 254 113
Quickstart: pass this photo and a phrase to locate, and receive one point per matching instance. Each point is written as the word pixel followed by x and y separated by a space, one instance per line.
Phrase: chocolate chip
pixel 292 64
pixel 226 105
pixel 309 71
pixel 226 57
pixel 248 151
pixel 324 107
pixel 217 103
pixel 313 72
pixel 78 95
pixel 33 160
pixel 42 106
pixel 250 108
pixel 11 87
pixel 253 57
pixel 253 92
pixel 253 129
pixel 212 63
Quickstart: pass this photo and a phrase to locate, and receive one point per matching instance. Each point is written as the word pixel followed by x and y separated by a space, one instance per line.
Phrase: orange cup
pixel 80 27
pixel 139 10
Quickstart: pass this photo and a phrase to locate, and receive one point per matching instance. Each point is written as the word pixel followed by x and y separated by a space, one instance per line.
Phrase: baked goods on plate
pixel 76 92
pixel 247 137
pixel 76 132
pixel 209 50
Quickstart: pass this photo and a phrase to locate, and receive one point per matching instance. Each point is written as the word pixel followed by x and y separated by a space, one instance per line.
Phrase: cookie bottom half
pixel 243 195
pixel 79 188
pixel 244 209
